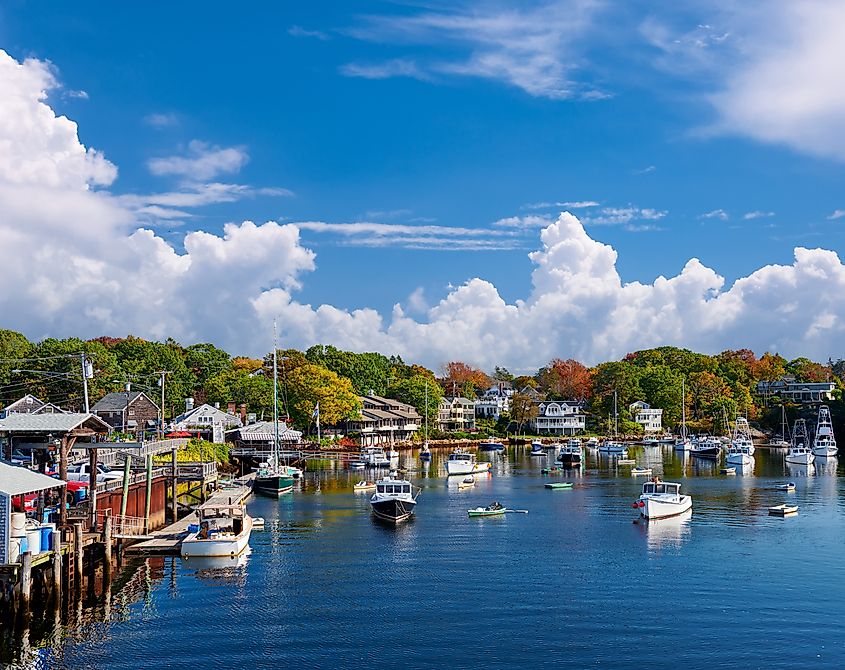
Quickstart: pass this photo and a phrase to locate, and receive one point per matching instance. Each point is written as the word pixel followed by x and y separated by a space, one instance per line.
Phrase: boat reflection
pixel 798 470
pixel 670 532
pixel 217 566
pixel 827 465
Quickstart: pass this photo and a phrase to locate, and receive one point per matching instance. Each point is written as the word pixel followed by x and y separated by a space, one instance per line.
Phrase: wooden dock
pixel 168 540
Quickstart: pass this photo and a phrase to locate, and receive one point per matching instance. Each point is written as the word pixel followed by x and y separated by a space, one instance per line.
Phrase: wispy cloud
pixel 165 205
pixel 643 228
pixel 203 161
pixel 398 67
pixel 614 216
pixel 720 214
pixel 567 204
pixel 299 31
pixel 385 214
pixel 161 120
pixel 535 48
pixel 757 214
pixel 530 221
pixel 836 214
pixel 646 170
pixel 80 95
pixel 374 228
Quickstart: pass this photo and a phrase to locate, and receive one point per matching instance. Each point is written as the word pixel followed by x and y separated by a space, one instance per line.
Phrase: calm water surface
pixel 573 582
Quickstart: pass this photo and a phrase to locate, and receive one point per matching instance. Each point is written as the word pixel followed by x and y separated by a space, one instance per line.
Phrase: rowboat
pixel 789 486
pixel 559 485
pixel 640 471
pixel 494 509
pixel 364 485
pixel 548 471
pixel 783 510
pixel 625 461
pixel 466 482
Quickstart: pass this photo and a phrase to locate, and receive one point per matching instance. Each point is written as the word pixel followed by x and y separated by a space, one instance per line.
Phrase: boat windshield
pixel 460 457
pixel 661 487
pixel 394 488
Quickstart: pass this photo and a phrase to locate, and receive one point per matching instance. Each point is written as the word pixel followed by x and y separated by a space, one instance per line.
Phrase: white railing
pixel 123 526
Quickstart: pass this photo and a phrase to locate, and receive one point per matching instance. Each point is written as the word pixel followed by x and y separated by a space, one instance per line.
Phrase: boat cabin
pixel 220 519
pixel 394 487
pixel 461 456
pixel 661 488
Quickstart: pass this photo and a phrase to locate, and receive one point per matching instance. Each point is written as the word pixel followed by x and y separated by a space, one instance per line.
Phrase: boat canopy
pixel 661 487
pixel 398 487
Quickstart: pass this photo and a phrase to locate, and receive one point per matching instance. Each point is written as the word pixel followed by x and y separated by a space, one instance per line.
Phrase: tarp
pixel 15 480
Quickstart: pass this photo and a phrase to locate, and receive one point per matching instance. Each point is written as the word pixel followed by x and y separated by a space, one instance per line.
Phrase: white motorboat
pixel 739 455
pixel 537 449
pixel 570 453
pixel 462 462
pixel 613 448
pixel 592 442
pixel 375 457
pixel 394 499
pixel 824 443
pixel 799 452
pixel 662 499
pixel 651 441
pixel 706 446
pixel 364 485
pixel 640 471
pixel 467 482
pixel 222 530
pixel 742 436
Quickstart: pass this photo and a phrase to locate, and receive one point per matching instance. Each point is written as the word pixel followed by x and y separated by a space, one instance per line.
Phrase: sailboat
pixel 781 441
pixel 612 445
pixel 683 444
pixel 824 444
pixel 272 479
pixel 425 452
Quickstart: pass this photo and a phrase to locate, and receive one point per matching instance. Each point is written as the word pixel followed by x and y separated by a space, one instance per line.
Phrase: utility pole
pixel 87 372
pixel 161 374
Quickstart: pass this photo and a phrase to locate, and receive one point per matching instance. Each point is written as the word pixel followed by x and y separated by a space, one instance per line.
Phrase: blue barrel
pixel 193 528
pixel 24 545
pixel 47 537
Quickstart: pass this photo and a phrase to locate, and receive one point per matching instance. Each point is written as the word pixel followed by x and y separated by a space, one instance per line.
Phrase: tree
pixel 567 380
pixel 204 360
pixel 413 392
pixel 239 386
pixel 661 387
pixel 502 375
pixel 367 371
pixel 708 395
pixel 13 348
pixel 806 370
pixel 623 378
pixel 523 409
pixel 462 379
pixel 311 384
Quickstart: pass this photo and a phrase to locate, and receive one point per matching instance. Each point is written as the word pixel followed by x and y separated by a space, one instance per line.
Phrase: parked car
pixel 80 472
pixel 21 458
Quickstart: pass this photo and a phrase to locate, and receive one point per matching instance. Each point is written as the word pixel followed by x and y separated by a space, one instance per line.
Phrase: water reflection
pixel 218 567
pixel 670 532
pixel 797 470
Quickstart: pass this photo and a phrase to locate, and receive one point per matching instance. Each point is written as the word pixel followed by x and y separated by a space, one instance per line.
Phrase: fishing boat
pixel 570 453
pixel 467 482
pixel 491 445
pixel 662 499
pixel 781 441
pixel 592 442
pixel 493 509
pixel 742 436
pixel 222 530
pixel 364 485
pixel 800 452
pixel 640 471
pixel 462 462
pixel 559 485
pixel 375 457
pixel 272 479
pixel 706 446
pixel 824 443
pixel 783 510
pixel 788 486
pixel 394 499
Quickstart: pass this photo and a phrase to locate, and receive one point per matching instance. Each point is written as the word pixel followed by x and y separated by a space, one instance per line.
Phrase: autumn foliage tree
pixel 462 379
pixel 567 380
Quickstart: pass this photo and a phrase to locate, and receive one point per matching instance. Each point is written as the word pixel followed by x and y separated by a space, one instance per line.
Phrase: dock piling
pixel 77 556
pixel 149 494
pixel 107 546
pixel 57 565
pixel 26 580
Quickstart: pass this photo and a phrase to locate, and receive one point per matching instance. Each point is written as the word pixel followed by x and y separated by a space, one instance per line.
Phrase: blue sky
pixel 667 123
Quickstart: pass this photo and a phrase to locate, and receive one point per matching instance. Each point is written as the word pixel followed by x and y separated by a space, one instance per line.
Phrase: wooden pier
pixel 168 540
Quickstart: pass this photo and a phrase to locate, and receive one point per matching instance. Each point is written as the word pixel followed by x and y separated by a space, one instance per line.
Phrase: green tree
pixel 661 387
pixel 623 378
pixel 311 384
pixel 367 371
pixel 239 386
pixel 13 348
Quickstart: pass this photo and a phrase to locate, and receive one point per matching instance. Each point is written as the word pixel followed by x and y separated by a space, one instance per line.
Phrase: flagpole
pixel 318 424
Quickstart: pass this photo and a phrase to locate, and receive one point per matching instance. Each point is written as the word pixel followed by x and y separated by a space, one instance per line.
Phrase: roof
pixel 15 480
pixel 51 423
pixel 265 431
pixel 116 402
pixel 28 403
pixel 204 409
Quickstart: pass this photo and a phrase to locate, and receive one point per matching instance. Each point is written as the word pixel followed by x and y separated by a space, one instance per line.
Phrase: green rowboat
pixel 483 511
pixel 559 485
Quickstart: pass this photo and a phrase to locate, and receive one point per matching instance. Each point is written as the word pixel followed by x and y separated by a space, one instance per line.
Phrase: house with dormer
pixel 558 417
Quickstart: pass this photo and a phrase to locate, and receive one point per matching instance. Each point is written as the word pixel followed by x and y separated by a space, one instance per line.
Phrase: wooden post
pixel 107 540
pixel 77 555
pixel 125 499
pixel 92 485
pixel 174 486
pixel 26 580
pixel 149 496
pixel 63 477
pixel 57 566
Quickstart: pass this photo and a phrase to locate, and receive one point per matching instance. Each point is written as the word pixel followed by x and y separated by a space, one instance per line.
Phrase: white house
pixel 456 414
pixel 650 418
pixel 206 419
pixel 558 417
pixel 494 401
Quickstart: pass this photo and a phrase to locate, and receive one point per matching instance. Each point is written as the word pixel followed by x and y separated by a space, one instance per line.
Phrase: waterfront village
pixel 107 441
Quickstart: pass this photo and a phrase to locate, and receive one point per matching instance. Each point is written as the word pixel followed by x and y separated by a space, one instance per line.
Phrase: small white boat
pixel 640 471
pixel 783 510
pixel 467 482
pixel 222 530
pixel 364 485
pixel 728 471
pixel 662 499
pixel 789 486
pixel 593 442
pixel 462 462
pixel 537 449
pixel 742 436
pixel 357 465
pixel 651 441
pixel 613 448
pixel 625 461
pixel 738 455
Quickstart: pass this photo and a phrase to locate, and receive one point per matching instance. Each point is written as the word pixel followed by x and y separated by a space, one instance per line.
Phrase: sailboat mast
pixel 615 416
pixel 426 411
pixel 683 408
pixel 275 397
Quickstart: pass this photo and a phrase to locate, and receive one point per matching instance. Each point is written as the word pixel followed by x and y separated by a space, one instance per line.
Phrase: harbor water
pixel 577 582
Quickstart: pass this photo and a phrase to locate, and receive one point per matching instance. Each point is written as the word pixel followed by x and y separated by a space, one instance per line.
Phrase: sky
pixel 496 182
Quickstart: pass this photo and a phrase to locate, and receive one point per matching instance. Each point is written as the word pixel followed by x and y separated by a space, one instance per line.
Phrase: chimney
pixel 243 413
pixel 231 407
pixel 127 387
pixel 217 405
pixel 189 404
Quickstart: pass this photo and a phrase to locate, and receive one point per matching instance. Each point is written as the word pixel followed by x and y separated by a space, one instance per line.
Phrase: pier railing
pixel 123 526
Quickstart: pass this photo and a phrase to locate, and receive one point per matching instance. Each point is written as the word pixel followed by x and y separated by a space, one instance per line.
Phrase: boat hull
pixel 656 508
pixel 739 459
pixel 706 452
pixel 569 459
pixel 486 512
pixel 229 547
pixel 466 467
pixel 825 451
pixel 801 459
pixel 393 510
pixel 273 485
